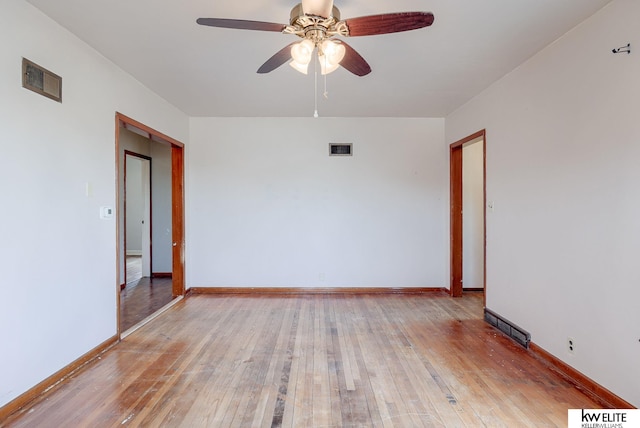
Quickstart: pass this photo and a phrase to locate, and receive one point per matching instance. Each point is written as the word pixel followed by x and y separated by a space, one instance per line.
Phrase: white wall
pixel 267 206
pixel 58 258
pixel 473 214
pixel 162 253
pixel 135 205
pixel 129 141
pixel 564 239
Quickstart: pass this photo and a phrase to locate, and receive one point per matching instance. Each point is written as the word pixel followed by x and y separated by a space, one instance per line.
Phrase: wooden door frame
pixel 177 218
pixel 456 238
pixel 177 201
pixel 124 212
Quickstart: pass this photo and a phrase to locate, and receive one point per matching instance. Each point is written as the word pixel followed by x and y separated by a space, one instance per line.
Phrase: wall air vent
pixel 508 328
pixel 340 149
pixel 41 80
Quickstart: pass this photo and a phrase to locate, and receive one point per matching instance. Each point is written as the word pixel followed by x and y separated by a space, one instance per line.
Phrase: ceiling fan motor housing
pixel 315 28
pixel 297 12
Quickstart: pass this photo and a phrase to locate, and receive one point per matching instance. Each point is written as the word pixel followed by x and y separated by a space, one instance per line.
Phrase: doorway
pixel 468 214
pixel 151 222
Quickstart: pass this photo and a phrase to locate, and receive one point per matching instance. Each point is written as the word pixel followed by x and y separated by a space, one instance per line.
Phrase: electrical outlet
pixel 571 345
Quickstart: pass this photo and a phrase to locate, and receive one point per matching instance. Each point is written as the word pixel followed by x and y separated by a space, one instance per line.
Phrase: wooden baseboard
pixel 315 290
pixel 161 275
pixel 473 289
pixel 53 380
pixel 596 391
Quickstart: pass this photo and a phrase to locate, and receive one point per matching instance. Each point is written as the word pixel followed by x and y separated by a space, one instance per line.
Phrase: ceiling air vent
pixel 41 80
pixel 340 149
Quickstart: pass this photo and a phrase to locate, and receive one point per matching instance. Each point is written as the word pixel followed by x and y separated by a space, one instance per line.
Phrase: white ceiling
pixel 206 71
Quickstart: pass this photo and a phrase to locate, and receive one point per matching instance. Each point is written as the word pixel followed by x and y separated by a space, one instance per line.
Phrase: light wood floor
pixel 313 361
pixel 134 268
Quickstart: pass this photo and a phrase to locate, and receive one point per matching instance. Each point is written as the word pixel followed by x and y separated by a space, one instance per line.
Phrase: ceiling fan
pixel 317 22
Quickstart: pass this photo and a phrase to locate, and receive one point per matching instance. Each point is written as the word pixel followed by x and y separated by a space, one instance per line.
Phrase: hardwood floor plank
pixel 347 358
pixel 263 355
pixel 312 360
pixel 321 397
pixel 381 383
pixel 303 413
pixel 201 403
pixel 407 404
pixel 333 363
pixel 294 388
pixel 363 399
pixel 235 385
pixel 170 410
pixel 273 395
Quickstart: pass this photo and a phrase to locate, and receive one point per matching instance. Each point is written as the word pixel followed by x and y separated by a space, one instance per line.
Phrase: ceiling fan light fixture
pixel 327 68
pixel 302 68
pixel 301 55
pixel 331 55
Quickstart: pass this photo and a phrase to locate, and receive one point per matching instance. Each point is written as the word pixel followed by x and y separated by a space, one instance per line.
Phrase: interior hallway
pixel 142 296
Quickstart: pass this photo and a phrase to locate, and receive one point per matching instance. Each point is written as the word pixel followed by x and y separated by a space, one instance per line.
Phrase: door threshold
pixel 150 317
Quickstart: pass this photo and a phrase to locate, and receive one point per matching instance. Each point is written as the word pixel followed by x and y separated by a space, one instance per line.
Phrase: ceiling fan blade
pixel 241 24
pixel 282 56
pixel 388 23
pixel 353 62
